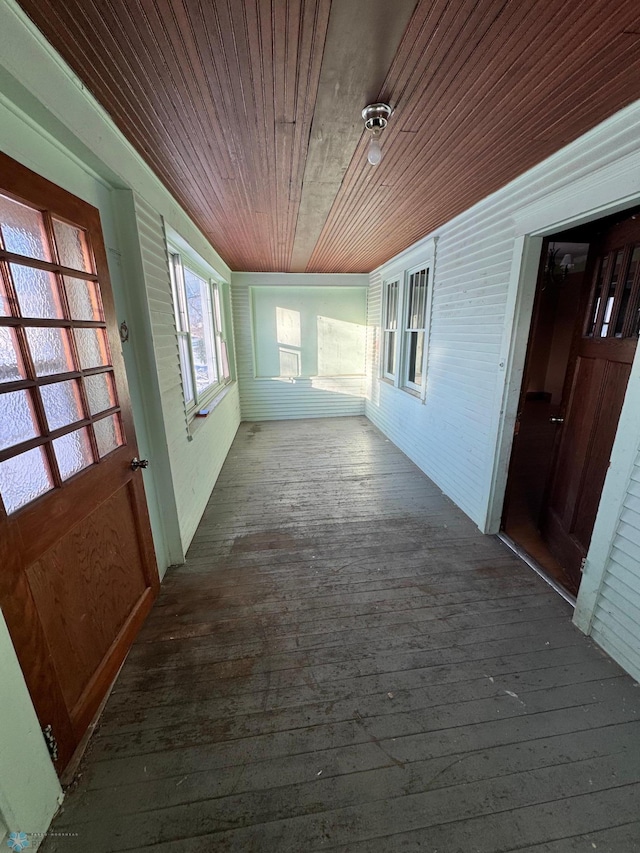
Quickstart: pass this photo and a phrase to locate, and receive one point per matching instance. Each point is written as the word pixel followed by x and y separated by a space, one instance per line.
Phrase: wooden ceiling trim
pixel 342 256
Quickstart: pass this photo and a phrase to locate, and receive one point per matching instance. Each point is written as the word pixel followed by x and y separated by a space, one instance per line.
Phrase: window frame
pixel 388 329
pixel 400 269
pixel 181 259
pixel 408 330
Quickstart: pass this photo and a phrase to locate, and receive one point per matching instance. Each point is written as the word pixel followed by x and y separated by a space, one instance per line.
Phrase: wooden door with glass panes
pixel 77 566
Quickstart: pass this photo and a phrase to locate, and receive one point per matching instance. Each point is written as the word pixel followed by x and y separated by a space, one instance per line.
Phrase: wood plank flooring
pixel 345 663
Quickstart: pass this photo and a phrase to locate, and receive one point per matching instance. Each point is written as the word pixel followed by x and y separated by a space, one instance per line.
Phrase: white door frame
pixel 593 196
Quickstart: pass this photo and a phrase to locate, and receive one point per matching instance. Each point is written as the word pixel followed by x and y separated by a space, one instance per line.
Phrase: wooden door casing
pixel 596 385
pixel 78 565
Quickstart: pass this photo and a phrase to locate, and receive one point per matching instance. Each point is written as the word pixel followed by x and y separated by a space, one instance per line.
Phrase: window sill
pixel 195 423
pixel 412 393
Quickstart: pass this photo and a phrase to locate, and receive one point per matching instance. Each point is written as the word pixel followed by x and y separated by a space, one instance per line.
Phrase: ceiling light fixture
pixel 376 118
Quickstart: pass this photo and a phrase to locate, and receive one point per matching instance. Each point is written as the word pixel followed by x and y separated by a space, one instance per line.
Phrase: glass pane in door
pixel 73 452
pixel 100 392
pixel 62 403
pixel 108 434
pixel 37 292
pixel 92 347
pixel 18 422
pixel 23 230
pixel 84 299
pixel 626 293
pixel 50 350
pixel 23 478
pixel 73 250
pixel 11 366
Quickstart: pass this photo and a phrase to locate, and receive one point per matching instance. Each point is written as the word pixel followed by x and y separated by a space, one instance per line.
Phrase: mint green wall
pixel 29 789
pixel 300 344
pixel 309 331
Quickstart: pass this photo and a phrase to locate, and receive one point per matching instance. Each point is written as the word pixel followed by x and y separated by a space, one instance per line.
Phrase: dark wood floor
pixel 345 663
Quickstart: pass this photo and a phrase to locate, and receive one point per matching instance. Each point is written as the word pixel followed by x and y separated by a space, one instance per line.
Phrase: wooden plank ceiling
pixel 248 110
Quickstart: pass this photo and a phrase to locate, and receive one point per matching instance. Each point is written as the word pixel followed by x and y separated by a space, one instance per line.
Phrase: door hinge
pixel 583 563
pixel 51 742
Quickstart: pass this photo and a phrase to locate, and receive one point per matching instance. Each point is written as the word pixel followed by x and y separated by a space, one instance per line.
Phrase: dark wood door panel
pixel 614 386
pixel 576 436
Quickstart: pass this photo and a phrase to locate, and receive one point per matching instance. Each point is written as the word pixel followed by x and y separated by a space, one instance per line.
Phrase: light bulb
pixel 375 152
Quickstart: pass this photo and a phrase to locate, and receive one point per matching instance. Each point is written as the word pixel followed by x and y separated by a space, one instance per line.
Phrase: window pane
pixel 100 392
pixel 72 246
pixel 610 296
pixel 201 327
pixel 83 298
pixel 50 351
pixel 417 300
pixel 73 452
pixel 391 353
pixel 37 292
pixel 18 421
pixel 62 403
pixel 597 295
pixel 416 355
pixel 392 306
pixel 177 286
pixel 23 230
pixel 108 434
pixel 626 293
pixel 92 347
pixel 226 372
pixel 11 367
pixel 24 478
pixel 185 368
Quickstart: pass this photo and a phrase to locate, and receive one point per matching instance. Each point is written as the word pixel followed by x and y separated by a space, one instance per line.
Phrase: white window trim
pixel 405 332
pixel 384 360
pixel 189 259
pixel 400 269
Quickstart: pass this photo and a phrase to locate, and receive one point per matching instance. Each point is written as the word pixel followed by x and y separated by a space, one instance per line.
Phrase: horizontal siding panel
pixel 618 643
pixel 616 622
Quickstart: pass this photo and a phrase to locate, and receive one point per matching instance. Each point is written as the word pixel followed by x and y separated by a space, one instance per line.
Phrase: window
pixel 200 325
pixel 391 292
pixel 415 312
pixel 405 320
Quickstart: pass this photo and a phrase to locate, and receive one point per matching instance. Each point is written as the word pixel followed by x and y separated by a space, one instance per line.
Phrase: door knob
pixel 139 463
pixel 556 420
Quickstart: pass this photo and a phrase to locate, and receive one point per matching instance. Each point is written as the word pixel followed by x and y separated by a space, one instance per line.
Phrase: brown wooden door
pixel 605 347
pixel 77 567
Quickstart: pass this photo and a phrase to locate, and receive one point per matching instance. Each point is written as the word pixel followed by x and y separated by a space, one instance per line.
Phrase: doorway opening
pixel 583 337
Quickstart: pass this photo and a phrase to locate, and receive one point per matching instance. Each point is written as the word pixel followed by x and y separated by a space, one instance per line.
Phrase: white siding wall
pixel 483 288
pixel 616 617
pixel 450 435
pixel 272 399
pixel 196 451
